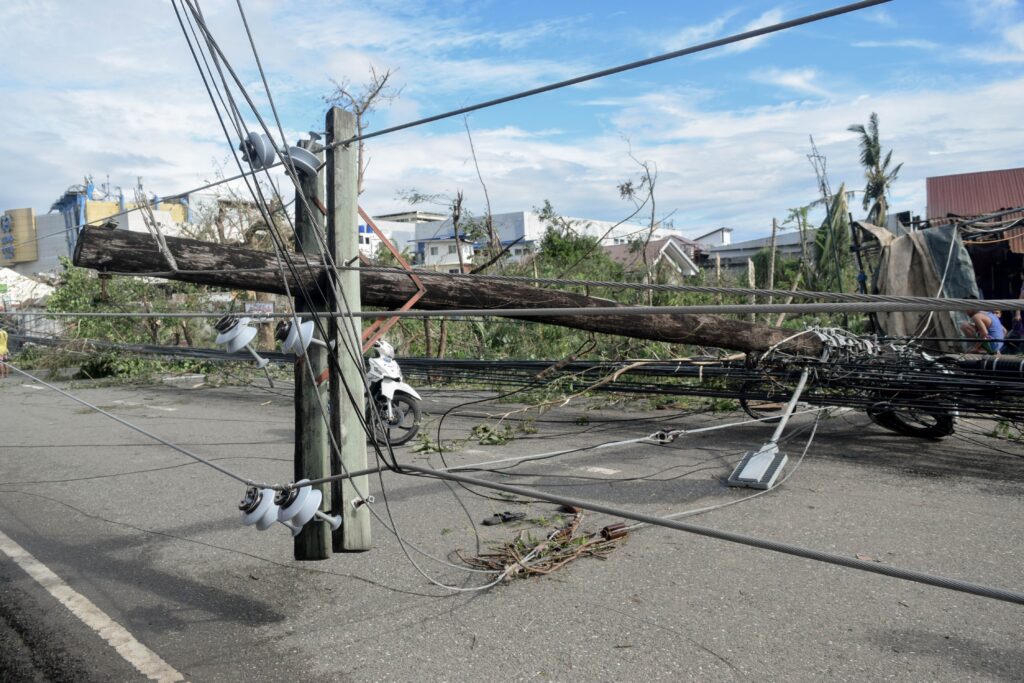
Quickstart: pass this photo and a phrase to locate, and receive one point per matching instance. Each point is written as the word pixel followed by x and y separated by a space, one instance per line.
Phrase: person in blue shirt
pixel 986 328
pixel 1016 314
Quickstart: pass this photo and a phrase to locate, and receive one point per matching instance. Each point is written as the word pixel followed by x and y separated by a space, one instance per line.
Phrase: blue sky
pixel 113 91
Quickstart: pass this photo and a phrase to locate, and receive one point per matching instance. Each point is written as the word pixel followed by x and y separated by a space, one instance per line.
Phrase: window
pixel 451 248
pixel 453 270
pixel 433 251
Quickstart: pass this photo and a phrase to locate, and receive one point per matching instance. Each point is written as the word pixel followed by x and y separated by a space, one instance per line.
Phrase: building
pixel 674 258
pixel 31 243
pixel 996 248
pixel 969 195
pixel 521 231
pixel 734 256
pixel 719 237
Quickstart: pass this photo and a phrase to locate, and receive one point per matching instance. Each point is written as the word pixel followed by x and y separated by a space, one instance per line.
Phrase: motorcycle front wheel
pixel 403 425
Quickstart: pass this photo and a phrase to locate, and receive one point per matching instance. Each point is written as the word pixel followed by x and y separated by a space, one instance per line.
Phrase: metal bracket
pixel 357 503
pixel 759 469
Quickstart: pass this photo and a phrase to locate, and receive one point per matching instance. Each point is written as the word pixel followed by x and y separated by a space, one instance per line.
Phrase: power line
pixel 746 35
pixel 732 537
pixel 889 304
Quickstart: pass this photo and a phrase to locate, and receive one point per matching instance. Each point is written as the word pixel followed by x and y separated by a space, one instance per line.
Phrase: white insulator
pixel 259 507
pixel 257 150
pixel 305 162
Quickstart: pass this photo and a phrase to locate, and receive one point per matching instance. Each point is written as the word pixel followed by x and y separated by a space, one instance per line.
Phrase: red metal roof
pixel 975 194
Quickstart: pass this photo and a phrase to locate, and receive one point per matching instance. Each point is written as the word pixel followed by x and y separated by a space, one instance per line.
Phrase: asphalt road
pixel 154 542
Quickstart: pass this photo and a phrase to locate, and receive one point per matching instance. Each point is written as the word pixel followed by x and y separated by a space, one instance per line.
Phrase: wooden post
pixel 346 422
pixel 751 282
pixel 312 448
pixel 789 299
pixel 771 263
pixel 718 276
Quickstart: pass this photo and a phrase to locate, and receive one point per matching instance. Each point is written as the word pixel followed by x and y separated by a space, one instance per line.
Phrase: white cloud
pixel 989 12
pixel 880 17
pixel 134 105
pixel 1011 51
pixel 800 80
pixel 914 43
pixel 769 17
pixel 736 168
pixel 692 35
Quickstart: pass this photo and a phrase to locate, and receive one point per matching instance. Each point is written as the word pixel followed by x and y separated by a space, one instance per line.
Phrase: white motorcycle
pixel 397 404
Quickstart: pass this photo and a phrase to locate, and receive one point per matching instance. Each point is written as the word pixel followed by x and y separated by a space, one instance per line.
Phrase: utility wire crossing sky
pixel 726 130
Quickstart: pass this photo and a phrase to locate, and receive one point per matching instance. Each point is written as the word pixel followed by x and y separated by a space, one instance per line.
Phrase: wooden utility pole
pixel 204 263
pixel 752 283
pixel 718 277
pixel 347 372
pixel 312 449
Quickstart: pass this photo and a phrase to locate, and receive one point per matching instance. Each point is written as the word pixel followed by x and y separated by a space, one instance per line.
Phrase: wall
pixel 17 236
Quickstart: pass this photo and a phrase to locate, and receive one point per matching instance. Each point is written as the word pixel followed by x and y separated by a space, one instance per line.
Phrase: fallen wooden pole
pixel 120 251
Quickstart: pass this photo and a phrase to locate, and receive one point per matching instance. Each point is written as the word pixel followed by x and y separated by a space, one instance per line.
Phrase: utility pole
pixel 752 283
pixel 718 277
pixel 217 265
pixel 347 372
pixel 312 449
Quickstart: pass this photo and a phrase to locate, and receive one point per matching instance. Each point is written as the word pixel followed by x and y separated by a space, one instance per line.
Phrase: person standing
pixel 3 353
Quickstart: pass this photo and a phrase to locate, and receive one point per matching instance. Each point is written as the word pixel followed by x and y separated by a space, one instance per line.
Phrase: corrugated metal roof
pixel 975 194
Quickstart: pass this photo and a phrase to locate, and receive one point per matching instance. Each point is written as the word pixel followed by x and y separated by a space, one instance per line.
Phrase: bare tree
pixel 641 193
pixel 492 235
pixel 231 219
pixel 361 100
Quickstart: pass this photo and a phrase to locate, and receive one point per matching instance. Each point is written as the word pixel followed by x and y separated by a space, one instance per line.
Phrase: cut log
pixel 205 263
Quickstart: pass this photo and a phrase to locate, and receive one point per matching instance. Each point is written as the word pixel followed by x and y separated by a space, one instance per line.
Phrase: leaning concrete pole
pixel 346 375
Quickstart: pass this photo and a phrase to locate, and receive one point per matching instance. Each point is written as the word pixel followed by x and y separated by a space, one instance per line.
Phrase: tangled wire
pixel 528 555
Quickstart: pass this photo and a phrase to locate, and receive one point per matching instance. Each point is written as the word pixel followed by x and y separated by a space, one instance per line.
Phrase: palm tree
pixel 876 169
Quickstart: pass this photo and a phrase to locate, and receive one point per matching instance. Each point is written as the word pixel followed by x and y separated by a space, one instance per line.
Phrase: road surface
pixel 153 543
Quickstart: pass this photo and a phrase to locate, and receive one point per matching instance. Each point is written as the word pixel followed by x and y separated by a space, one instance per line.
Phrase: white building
pixel 522 231
pixel 734 256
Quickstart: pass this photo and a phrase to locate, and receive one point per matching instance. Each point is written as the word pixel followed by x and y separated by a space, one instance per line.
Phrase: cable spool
pixel 305 162
pixel 257 150
pixel 259 507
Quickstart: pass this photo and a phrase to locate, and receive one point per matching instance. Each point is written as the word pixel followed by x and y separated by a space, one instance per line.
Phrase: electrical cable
pixel 746 35
pixel 916 304
pixel 140 430
pixel 353 352
pixel 741 539
pixel 710 508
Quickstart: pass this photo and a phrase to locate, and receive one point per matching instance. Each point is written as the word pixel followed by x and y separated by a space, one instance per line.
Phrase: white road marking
pixel 135 653
pixel 600 470
pixel 31 386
